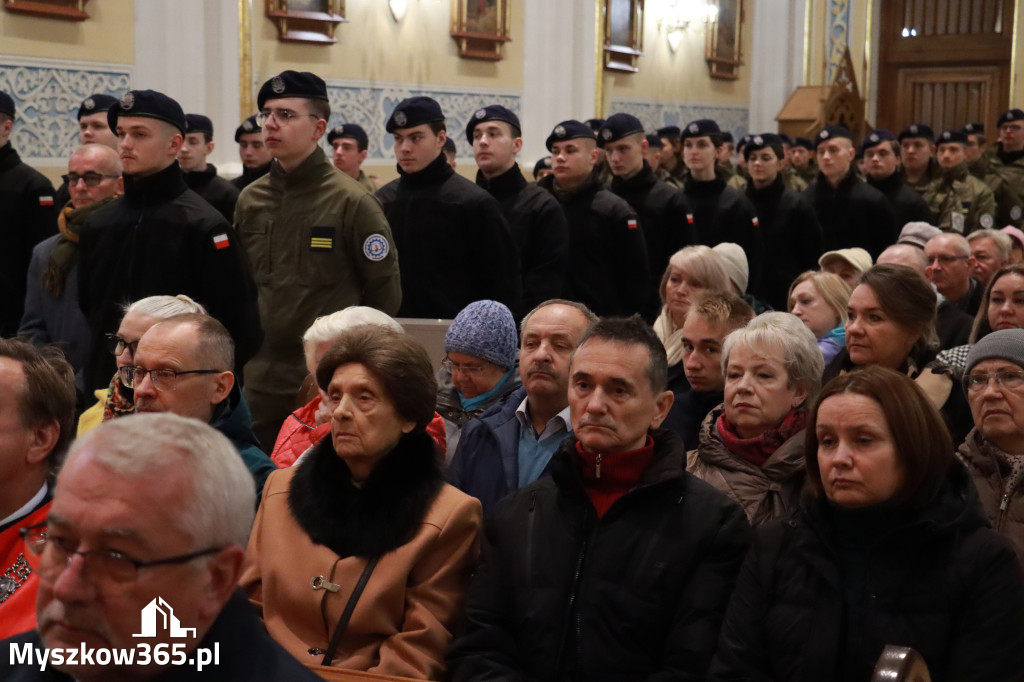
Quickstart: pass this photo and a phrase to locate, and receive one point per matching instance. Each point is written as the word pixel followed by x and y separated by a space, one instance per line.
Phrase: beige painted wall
pixel 682 75
pixel 372 47
pixel 107 36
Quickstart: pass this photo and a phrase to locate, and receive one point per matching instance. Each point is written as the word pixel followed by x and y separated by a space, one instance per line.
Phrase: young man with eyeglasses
pixel 183 365
pixel 317 241
pixel 52 313
pixel 160 237
pixel 141 554
pixel 1007 169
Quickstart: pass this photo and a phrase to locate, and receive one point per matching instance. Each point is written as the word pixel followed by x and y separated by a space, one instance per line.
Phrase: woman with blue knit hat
pixel 480 367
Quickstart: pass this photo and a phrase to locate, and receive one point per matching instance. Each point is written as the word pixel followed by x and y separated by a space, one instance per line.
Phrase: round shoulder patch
pixel 1016 212
pixel 376 247
pixel 957 221
pixel 986 221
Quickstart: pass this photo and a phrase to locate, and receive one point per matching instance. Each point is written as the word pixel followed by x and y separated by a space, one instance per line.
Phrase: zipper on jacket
pixel 1003 504
pixel 531 517
pixel 560 663
pixel 597 473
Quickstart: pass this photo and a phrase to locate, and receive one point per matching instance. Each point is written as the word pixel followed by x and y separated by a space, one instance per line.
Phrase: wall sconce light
pixel 398 8
pixel 679 14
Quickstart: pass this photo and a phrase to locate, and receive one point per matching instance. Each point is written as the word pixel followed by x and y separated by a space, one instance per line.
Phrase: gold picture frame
pixel 623 34
pixel 481 28
pixel 723 45
pixel 306 21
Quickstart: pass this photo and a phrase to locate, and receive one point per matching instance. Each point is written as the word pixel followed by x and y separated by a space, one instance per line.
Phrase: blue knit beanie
pixel 487 330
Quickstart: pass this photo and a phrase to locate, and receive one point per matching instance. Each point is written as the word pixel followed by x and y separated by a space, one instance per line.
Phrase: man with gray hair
pixel 991 251
pixel 949 268
pixel 150 516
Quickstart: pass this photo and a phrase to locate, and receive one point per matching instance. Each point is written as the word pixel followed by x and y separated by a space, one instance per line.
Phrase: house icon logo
pixel 160 612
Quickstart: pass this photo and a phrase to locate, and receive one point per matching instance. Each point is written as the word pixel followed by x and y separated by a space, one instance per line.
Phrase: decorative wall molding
pixel 656 114
pixel 370 104
pixel 837 35
pixel 47 94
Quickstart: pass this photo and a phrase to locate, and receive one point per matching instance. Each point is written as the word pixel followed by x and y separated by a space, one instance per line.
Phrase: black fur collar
pixel 382 515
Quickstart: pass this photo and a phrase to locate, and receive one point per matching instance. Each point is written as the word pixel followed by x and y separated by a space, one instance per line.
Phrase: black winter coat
pixel 792 239
pixel 608 267
pixel 163 238
pixel 666 219
pixel 29 216
pixel 853 214
pixel 453 243
pixel 220 193
pixel 541 233
pixel 824 590
pixel 908 205
pixel 635 595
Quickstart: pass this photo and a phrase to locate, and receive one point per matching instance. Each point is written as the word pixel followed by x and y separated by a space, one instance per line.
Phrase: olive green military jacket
pixel 961 202
pixel 1006 180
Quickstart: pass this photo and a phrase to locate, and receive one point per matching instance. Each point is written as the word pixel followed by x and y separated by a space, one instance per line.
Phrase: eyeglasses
pixel 106 568
pixel 1011 128
pixel 91 178
pixel 946 261
pixel 974 383
pixel 452 368
pixel 116 345
pixel 163 379
pixel 282 116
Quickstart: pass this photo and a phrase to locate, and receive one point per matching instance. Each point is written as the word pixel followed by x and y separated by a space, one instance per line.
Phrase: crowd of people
pixel 695 419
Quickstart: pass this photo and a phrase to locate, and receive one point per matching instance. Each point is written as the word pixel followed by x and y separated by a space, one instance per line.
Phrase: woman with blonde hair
pixel 819 299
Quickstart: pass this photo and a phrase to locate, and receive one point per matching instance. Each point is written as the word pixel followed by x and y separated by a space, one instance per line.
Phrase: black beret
pixel 95 104
pixel 595 124
pixel 449 145
pixel 197 123
pixel 958 136
pixel 727 137
pixel 974 128
pixel 786 139
pixel 830 132
pixel 248 126
pixel 414 111
pixel 804 142
pixel 875 137
pixel 150 104
pixel 756 142
pixel 569 130
pixel 915 130
pixel 1011 115
pixel 292 84
pixel 6 104
pixel 669 132
pixel 493 112
pixel 654 141
pixel 542 164
pixel 618 126
pixel 349 130
pixel 702 127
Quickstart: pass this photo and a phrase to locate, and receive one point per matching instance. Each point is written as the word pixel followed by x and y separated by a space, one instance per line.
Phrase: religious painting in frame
pixel 623 34
pixel 723 49
pixel 480 28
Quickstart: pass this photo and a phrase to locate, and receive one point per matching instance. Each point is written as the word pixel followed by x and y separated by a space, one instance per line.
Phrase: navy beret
pixel 830 132
pixel 292 84
pixel 6 104
pixel 743 142
pixel 414 111
pixel 1011 115
pixel 669 132
pixel 876 137
pixel 804 142
pixel 702 127
pixel 493 112
pixel 654 141
pixel 569 130
pixel 449 145
pixel 727 136
pixel 542 164
pixel 197 123
pixel 915 130
pixel 248 126
pixel 618 126
pixel 974 128
pixel 150 104
pixel 958 136
pixel 786 139
pixel 95 104
pixel 756 142
pixel 595 124
pixel 352 131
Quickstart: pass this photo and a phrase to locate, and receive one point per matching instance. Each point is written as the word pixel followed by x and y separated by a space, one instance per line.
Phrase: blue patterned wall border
pixel 837 35
pixel 47 94
pixel 656 114
pixel 370 104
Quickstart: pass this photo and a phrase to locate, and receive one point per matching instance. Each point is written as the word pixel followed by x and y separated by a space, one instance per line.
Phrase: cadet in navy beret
pixel 654 141
pixel 595 124
pixel 618 126
pixel 450 151
pixel 917 130
pixel 92 124
pixel 493 112
pixel 200 176
pixel 958 136
pixel 703 127
pixel 881 154
pixel 541 168
pixel 287 84
pixel 1010 116
pixel 349 130
pixel 350 144
pixel 569 130
pixel 253 152
pixel 248 127
pixel 95 104
pixel 831 132
pixel 974 128
pixel 875 137
pixel 753 143
pixel 669 132
pixel 6 105
pixel 917 142
pixel 197 123
pixel 804 142
pixel 148 104
pixel 670 165
pixel 414 111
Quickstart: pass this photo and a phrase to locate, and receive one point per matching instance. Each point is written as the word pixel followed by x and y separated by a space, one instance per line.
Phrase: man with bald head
pixel 949 268
pixel 52 313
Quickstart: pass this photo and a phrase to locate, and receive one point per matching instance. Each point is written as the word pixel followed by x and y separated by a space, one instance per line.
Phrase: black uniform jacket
pixel 908 205
pixel 825 589
pixel 853 214
pixel 221 193
pixel 163 238
pixel 635 595
pixel 540 230
pixel 608 268
pixel 455 245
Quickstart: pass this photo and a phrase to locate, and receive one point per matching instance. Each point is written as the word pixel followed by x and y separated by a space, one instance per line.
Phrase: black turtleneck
pixel 852 214
pixel 908 205
pixel 250 175
pixel 156 188
pixel 220 193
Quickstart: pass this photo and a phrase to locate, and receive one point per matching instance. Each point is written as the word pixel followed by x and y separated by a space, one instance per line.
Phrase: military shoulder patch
pixel 376 247
pixel 221 241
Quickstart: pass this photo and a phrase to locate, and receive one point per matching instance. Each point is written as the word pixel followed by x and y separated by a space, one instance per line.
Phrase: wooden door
pixel 944 62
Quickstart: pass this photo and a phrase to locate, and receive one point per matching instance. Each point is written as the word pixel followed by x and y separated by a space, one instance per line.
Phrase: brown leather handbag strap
pixel 346 615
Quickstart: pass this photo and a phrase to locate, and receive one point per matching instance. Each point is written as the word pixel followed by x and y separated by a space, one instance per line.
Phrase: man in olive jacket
pixel 318 242
pixel 620 565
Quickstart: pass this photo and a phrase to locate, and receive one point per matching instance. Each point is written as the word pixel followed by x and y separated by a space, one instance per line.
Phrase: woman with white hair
pixel 751 446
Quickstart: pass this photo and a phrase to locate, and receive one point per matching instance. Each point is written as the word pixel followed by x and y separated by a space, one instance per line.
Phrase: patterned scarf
pixel 64 254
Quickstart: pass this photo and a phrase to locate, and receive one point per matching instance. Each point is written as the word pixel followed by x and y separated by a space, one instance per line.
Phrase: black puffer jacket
pixel 635 595
pixel 824 590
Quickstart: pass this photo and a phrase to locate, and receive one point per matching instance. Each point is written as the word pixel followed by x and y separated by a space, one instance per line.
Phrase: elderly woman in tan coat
pixel 360 555
pixel 751 446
